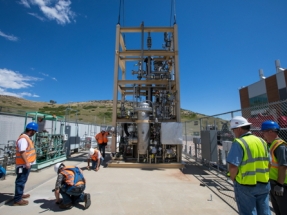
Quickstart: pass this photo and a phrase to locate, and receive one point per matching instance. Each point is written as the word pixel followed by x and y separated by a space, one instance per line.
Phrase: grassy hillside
pixel 96 112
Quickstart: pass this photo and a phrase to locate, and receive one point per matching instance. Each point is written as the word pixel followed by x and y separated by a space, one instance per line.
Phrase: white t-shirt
pixel 99 155
pixel 22 146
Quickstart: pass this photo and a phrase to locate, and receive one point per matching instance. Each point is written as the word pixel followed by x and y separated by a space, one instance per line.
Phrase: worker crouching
pixel 96 157
pixel 71 185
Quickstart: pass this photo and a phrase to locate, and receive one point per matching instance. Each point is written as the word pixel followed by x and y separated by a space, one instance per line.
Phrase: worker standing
pixel 96 157
pixel 71 185
pixel 248 161
pixel 25 157
pixel 278 178
pixel 102 140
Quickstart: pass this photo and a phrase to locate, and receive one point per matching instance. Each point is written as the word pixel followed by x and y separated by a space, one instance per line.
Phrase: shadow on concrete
pixel 78 205
pixel 48 205
pixel 152 169
pixel 85 169
pixel 6 197
pixel 80 156
pixel 213 180
pixel 194 168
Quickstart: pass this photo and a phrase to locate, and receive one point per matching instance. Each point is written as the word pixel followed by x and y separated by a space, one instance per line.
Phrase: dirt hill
pixel 95 112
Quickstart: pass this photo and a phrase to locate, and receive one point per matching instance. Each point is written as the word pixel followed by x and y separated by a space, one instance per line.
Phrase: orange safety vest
pixel 30 151
pixel 95 155
pixel 274 162
pixel 69 176
pixel 102 138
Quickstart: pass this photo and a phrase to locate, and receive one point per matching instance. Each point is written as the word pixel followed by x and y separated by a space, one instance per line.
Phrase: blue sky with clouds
pixel 63 50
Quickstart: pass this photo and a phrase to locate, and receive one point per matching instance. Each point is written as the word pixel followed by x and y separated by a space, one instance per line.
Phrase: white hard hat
pixel 92 151
pixel 57 166
pixel 238 121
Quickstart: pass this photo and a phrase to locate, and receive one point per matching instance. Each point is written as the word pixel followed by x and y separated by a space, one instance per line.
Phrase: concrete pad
pixel 121 191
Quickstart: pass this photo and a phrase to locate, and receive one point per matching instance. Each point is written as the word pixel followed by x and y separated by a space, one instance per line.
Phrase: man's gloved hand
pixel 279 189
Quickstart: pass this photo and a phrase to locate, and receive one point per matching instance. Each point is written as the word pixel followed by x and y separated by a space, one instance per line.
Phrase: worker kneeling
pixel 96 157
pixel 71 185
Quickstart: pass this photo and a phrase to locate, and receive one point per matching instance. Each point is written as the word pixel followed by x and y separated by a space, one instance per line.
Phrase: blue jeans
pixel 73 196
pixel 20 182
pixel 252 200
pixel 94 163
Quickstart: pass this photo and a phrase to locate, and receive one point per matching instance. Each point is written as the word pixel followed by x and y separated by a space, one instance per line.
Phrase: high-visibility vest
pixel 254 165
pixel 273 174
pixel 69 175
pixel 102 138
pixel 30 151
pixel 95 155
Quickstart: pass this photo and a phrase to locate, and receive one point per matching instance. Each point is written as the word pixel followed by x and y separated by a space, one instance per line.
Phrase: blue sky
pixel 63 50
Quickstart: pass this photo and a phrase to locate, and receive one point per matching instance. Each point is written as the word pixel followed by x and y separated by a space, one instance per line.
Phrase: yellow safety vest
pixel 254 165
pixel 274 162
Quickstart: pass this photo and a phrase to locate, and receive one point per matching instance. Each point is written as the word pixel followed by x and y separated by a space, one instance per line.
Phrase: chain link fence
pixel 208 140
pixel 220 125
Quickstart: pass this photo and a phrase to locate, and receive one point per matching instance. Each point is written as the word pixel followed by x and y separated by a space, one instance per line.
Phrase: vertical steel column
pixel 115 99
pixel 177 83
pixel 176 72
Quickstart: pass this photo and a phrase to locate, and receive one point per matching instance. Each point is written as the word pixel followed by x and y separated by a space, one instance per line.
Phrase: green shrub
pixel 89 107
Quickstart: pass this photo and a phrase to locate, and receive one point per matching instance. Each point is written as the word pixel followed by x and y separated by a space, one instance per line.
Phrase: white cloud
pixel 4 92
pixel 25 3
pixel 8 37
pixel 47 75
pixel 15 81
pixel 28 94
pixel 37 16
pixel 58 10
pixel 44 74
pixel 19 95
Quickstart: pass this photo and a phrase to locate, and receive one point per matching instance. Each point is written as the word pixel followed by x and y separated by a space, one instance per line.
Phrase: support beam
pixel 137 53
pixel 176 69
pixel 146 29
pixel 115 99
pixel 141 82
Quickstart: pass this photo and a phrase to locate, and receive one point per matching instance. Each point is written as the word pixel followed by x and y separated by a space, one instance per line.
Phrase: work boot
pixel 87 199
pixel 66 206
pixel 22 202
pixel 25 196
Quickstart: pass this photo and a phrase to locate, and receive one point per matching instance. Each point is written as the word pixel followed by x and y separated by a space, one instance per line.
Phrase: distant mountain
pixel 95 112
